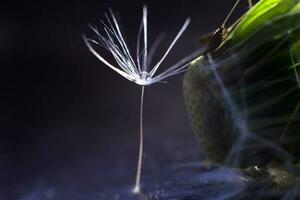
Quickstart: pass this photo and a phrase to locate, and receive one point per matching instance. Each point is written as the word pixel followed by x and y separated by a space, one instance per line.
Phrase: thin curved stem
pixel 298 105
pixel 137 187
pixel 250 3
pixel 289 122
pixel 230 13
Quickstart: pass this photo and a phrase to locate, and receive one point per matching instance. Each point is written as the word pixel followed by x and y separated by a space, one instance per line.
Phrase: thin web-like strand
pixel 298 105
pixel 262 122
pixel 184 60
pixel 101 39
pixel 173 72
pixel 114 50
pixel 106 62
pixel 126 63
pixel 111 33
pixel 121 63
pixel 154 47
pixel 141 54
pixel 289 122
pixel 110 28
pixel 244 98
pixel 272 101
pixel 185 25
pixel 107 43
pixel 116 34
pixel 159 79
pixel 138 47
pixel 122 41
pixel 295 70
pixel 100 44
pixel 122 73
pixel 239 120
pixel 145 13
pixel 180 66
pixel 288 157
pixel 230 13
pixel 267 57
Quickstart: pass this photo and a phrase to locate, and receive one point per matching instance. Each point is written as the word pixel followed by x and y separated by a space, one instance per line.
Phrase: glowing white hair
pixel 138 72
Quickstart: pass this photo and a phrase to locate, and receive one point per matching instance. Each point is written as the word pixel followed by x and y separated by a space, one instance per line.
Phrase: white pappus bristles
pixel 137 71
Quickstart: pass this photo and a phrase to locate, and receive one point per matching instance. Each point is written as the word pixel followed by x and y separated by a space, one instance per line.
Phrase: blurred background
pixel 69 124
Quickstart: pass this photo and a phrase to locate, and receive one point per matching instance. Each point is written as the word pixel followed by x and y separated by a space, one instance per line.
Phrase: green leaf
pixel 296 8
pixel 261 14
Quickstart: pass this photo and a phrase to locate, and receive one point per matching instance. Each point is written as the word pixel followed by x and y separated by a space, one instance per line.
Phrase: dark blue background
pixel 65 118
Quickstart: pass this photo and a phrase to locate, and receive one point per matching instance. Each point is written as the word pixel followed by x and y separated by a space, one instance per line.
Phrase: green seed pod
pixel 201 98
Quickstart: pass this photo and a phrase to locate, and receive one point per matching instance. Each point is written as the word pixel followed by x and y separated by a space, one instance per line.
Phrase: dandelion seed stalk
pixel 137 187
pixel 139 71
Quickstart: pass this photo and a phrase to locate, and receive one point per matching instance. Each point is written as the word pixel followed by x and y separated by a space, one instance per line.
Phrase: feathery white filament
pixel 138 47
pixel 120 38
pixel 145 13
pixel 136 72
pixel 122 73
pixel 185 25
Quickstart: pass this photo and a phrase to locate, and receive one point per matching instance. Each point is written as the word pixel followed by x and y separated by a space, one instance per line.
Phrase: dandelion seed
pixel 137 71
